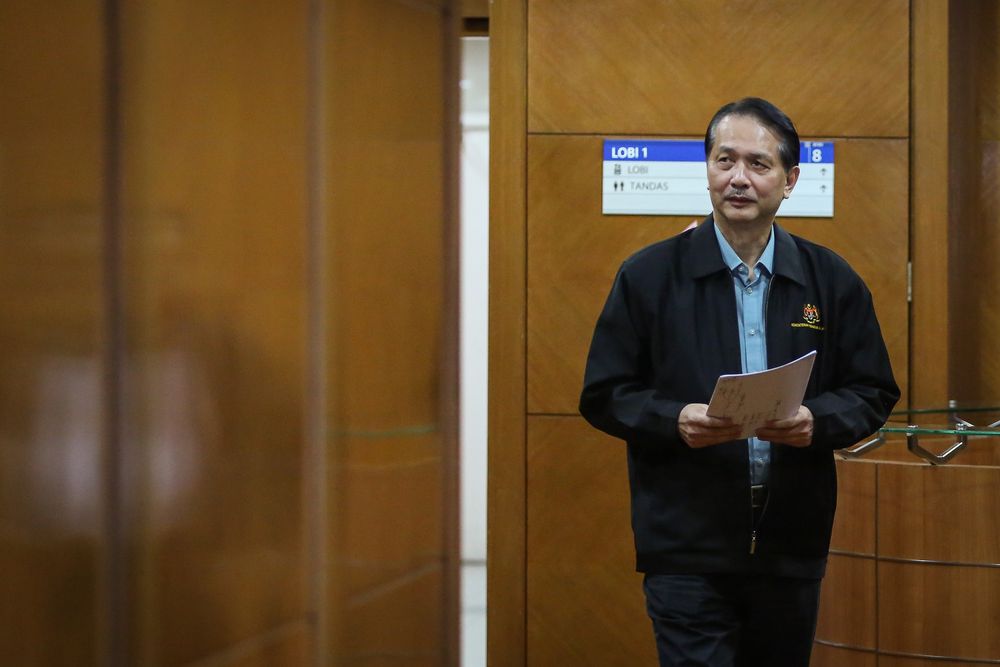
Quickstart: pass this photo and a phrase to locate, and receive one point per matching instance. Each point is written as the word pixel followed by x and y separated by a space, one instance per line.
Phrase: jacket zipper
pixel 753 524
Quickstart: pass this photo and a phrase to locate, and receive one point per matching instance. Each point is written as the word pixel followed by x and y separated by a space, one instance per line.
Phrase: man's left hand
pixel 796 431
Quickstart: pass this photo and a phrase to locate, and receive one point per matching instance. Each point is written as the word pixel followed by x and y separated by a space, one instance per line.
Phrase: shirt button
pixel 749 290
pixel 752 332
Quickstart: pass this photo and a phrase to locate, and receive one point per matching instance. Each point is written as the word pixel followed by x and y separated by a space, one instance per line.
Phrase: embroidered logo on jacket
pixel 810 318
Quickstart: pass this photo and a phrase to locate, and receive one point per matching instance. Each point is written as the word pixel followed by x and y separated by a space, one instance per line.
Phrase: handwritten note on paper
pixel 750 399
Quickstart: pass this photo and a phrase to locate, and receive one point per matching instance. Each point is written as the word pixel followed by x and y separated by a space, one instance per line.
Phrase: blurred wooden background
pixel 228 345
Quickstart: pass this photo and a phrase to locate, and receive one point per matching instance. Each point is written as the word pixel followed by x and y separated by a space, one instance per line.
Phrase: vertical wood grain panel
pixel 53 335
pixel 637 67
pixel 210 212
pixel 506 502
pixel 214 241
pixel 974 171
pixel 847 604
pixel 929 217
pixel 288 645
pixel 475 8
pixel 389 160
pixel 895 661
pixel 835 656
pixel 854 523
pixel 942 513
pixel 585 602
pixel 939 610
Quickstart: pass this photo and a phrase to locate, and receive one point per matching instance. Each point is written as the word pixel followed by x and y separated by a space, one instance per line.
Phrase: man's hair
pixel 767 115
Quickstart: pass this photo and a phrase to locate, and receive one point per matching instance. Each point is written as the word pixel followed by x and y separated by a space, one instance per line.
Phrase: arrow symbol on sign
pixel 822 188
pixel 823 171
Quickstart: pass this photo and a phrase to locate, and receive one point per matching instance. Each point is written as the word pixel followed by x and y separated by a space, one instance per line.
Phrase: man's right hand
pixel 697 429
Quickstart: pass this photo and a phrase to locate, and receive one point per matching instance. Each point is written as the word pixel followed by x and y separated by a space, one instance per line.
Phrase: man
pixel 733 535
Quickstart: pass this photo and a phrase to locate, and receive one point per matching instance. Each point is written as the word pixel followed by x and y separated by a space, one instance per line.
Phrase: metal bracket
pixel 913 440
pixel 860 450
pixel 913 444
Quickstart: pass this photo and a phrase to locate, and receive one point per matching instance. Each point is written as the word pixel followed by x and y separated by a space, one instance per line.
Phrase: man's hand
pixel 697 429
pixel 796 431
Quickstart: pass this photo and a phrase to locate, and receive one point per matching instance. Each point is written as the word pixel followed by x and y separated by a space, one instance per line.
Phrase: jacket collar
pixel 705 257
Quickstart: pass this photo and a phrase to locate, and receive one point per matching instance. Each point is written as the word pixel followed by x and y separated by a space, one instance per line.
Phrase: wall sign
pixel 667 177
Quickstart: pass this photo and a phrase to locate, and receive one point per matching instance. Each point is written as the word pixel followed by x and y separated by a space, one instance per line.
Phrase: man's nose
pixel 739 177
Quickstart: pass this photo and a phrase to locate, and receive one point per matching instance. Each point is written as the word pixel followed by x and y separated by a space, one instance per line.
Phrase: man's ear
pixel 791 179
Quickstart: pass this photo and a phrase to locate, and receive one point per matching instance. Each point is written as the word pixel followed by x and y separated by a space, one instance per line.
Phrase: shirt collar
pixel 733 261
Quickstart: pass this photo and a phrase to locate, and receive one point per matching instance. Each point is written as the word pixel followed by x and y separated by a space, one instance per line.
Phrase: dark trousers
pixel 732 620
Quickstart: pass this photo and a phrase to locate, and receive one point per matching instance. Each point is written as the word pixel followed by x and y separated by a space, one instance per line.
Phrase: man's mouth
pixel 739 199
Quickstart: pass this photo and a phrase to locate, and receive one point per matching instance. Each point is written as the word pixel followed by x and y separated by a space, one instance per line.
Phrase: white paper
pixel 751 399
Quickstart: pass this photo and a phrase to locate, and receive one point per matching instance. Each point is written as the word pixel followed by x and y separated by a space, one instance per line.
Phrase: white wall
pixel 474 331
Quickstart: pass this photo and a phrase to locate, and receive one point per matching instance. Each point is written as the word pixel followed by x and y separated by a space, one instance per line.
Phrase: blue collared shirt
pixel 750 301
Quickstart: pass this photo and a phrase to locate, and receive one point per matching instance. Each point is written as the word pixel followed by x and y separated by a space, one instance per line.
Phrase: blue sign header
pixel 815 152
pixel 654 151
pixel 666 150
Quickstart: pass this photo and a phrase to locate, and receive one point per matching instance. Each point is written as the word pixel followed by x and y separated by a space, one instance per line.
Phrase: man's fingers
pixel 783 424
pixel 713 436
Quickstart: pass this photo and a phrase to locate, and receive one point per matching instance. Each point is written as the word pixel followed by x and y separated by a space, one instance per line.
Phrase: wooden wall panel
pixel 973 173
pixel 835 656
pixel 940 610
pixel 940 513
pixel 895 661
pixel 930 217
pixel 53 398
pixel 574 250
pixel 854 523
pixel 290 645
pixel 475 8
pixel 214 274
pixel 388 491
pixel 584 600
pixel 170 181
pixel 506 495
pixel 390 339
pixel 384 182
pixel 396 624
pixel 644 67
pixel 389 564
pixel 987 25
pixel 847 605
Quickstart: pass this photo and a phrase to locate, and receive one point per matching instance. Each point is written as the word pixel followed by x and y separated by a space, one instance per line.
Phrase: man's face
pixel 746 179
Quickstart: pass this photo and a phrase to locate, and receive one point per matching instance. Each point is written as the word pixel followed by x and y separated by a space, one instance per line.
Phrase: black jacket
pixel 668 330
